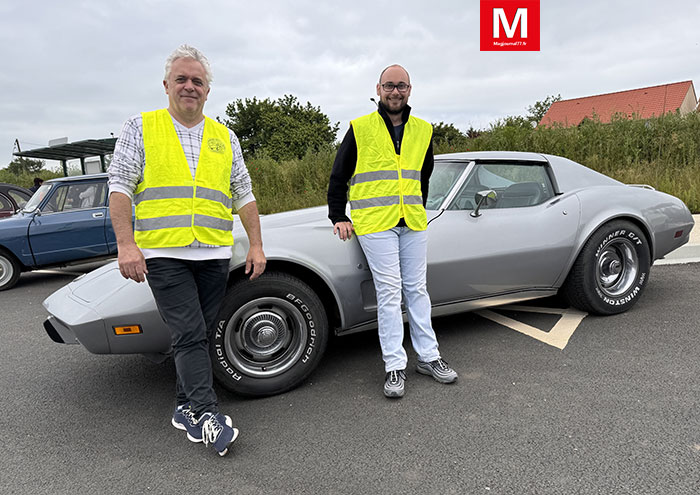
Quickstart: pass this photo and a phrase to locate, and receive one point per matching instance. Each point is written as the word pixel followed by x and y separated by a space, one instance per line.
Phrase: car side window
pixel 20 199
pixel 5 204
pixel 56 201
pixel 517 185
pixel 77 197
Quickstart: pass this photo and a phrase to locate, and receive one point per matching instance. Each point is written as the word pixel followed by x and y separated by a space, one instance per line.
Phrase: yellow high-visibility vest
pixel 172 209
pixel 385 186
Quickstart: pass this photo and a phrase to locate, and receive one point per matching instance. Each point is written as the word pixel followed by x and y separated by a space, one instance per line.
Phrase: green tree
pixel 537 111
pixel 283 129
pixel 472 133
pixel 22 165
pixel 512 121
pixel 447 134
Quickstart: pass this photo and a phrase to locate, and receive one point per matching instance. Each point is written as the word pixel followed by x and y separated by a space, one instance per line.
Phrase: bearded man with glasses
pixel 383 167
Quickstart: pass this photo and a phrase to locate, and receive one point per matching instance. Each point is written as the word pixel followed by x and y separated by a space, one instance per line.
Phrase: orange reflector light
pixel 678 234
pixel 128 330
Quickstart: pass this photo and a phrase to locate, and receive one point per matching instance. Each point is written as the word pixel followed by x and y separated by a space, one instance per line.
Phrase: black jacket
pixel 346 159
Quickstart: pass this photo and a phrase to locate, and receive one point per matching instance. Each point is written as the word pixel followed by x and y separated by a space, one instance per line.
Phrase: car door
pixel 521 242
pixel 109 229
pixel 71 224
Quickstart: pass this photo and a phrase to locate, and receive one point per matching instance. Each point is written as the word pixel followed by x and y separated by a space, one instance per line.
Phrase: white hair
pixel 187 51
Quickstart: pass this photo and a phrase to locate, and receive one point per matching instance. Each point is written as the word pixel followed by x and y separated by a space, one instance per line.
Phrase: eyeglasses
pixel 402 87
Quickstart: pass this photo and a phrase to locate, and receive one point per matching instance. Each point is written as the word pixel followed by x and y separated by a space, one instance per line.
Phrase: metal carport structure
pixel 73 151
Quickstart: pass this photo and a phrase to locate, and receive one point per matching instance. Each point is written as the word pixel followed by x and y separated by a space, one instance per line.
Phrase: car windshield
pixel 37 198
pixel 444 176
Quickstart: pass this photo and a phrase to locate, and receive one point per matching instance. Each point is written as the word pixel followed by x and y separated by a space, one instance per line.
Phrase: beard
pixel 394 111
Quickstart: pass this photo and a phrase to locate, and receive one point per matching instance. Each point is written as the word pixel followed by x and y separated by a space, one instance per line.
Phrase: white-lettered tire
pixel 9 270
pixel 611 270
pixel 271 333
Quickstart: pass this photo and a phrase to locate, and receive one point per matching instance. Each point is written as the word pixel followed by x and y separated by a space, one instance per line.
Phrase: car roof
pixel 492 155
pixel 77 178
pixel 6 186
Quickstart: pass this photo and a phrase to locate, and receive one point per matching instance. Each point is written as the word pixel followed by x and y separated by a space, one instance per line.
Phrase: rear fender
pixel 595 214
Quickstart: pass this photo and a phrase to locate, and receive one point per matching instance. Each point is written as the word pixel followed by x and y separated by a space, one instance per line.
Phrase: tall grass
pixel 663 152
pixel 26 179
pixel 291 184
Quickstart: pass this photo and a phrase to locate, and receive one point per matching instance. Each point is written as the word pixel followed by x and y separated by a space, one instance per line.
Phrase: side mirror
pixel 487 198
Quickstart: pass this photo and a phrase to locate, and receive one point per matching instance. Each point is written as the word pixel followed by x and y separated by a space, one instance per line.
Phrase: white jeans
pixel 397 259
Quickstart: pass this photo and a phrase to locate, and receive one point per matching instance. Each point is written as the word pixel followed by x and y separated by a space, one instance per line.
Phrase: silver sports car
pixel 503 227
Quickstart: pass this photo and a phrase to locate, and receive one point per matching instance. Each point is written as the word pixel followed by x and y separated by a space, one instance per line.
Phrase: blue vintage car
pixel 65 221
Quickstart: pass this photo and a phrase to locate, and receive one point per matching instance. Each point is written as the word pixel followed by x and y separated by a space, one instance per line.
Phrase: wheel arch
pixel 10 254
pixel 592 227
pixel 323 289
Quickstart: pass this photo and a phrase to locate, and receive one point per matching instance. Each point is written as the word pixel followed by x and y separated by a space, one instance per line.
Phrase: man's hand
pixel 132 264
pixel 344 230
pixel 131 261
pixel 255 259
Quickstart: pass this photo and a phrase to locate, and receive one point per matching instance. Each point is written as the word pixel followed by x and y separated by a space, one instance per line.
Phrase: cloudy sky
pixel 80 68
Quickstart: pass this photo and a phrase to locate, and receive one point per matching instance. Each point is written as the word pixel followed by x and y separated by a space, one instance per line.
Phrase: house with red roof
pixel 642 103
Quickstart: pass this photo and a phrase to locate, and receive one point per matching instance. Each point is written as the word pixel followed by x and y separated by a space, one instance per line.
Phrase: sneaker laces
pixel 210 429
pixel 189 415
pixel 439 363
pixel 394 376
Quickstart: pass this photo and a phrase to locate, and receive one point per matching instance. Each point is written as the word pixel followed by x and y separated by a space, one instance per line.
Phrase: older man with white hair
pixel 184 172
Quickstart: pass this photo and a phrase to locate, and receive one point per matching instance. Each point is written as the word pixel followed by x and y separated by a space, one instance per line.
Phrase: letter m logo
pixel 500 19
pixel 510 25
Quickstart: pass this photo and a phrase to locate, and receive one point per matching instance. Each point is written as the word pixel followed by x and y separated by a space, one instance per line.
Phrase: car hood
pixel 16 220
pixel 310 217
pixel 315 217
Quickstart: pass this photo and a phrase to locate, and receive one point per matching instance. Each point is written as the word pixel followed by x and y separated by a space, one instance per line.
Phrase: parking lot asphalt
pixel 614 411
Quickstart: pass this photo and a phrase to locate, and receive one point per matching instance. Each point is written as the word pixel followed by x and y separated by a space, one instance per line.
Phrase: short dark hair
pixel 38 181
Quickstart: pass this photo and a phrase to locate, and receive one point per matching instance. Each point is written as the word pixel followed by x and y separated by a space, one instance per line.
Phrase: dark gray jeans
pixel 188 294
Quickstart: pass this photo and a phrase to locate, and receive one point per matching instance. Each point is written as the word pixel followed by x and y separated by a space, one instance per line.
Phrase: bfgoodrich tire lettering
pixel 611 271
pixel 270 335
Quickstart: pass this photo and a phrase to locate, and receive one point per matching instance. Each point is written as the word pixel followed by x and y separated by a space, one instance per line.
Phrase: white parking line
pixel 676 261
pixel 558 336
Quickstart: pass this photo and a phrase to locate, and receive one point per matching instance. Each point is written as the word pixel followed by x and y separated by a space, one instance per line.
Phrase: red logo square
pixel 510 25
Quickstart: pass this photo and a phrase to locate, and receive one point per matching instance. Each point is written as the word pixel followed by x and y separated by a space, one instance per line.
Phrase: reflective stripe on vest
pixel 385 201
pixel 172 208
pixel 385 186
pixel 183 192
pixel 176 221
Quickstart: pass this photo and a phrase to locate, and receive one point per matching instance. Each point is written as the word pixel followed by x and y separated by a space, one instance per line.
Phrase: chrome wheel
pixel 265 337
pixel 617 267
pixel 5 270
pixel 9 271
pixel 271 334
pixel 611 270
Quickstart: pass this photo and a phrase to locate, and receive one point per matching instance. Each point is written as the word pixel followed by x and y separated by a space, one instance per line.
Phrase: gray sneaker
pixel 438 369
pixel 393 384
